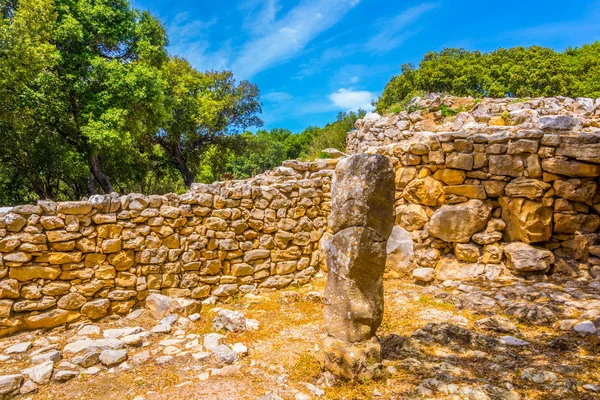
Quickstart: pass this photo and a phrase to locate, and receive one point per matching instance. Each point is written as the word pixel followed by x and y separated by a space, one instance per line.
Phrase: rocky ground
pixel 512 339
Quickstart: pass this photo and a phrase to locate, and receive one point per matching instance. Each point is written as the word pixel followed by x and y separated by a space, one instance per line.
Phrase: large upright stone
pixel 361 219
pixel 360 201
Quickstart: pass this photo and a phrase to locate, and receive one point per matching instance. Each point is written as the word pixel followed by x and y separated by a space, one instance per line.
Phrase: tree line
pixel 515 72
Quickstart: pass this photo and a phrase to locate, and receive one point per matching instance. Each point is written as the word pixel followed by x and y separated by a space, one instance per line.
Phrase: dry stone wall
pixel 61 261
pixel 503 189
pixel 519 172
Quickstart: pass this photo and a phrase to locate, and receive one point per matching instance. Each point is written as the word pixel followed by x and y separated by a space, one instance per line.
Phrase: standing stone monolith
pixel 361 221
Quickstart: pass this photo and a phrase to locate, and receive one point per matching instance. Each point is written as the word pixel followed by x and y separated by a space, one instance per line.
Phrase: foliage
pixel 201 107
pixel 515 72
pixel 90 101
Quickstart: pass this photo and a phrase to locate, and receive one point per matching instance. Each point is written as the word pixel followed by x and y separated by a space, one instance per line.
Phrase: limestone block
pixel 527 221
pixel 457 223
pixel 427 191
pixel 522 257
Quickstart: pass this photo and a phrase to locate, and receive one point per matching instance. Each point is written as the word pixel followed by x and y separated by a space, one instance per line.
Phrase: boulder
pixel 112 357
pixel 522 257
pixel 50 319
pixel 425 191
pixel 9 289
pixel 526 220
pixel 233 321
pixel 71 301
pixel 449 268
pixel 457 223
pixel 450 176
pixel 558 122
pixel 506 165
pixel 571 223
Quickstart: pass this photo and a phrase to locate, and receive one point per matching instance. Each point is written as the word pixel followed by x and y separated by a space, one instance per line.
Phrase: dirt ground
pixel 433 347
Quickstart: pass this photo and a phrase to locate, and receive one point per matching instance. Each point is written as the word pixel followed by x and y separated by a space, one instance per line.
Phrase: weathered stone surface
pixel 582 152
pixel 158 305
pixel 557 122
pixel 9 289
pixel 449 268
pixel 425 191
pixel 571 223
pixel 74 207
pixel 457 223
pixel 525 187
pixel 522 257
pixel 10 383
pixel 356 256
pixel 576 190
pixel 399 250
pixel 575 169
pixel 468 191
pixel 50 319
pixel 71 301
pixel 30 272
pixel 362 194
pixel 233 321
pixel 467 252
pixel 527 221
pixel 411 216
pixel 354 293
pixel 112 357
pixel 460 161
pixel 424 274
pixel 352 361
pixel 450 176
pixel 506 165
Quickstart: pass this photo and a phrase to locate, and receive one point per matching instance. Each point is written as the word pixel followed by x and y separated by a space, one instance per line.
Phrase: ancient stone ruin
pixel 494 211
pixel 361 221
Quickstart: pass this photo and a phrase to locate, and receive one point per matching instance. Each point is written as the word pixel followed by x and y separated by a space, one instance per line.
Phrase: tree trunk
pixel 101 178
pixel 188 176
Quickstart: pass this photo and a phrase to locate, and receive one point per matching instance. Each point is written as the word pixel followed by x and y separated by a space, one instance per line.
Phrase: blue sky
pixel 314 58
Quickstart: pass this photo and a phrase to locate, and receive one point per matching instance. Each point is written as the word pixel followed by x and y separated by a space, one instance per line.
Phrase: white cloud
pixel 189 39
pixel 393 32
pixel 352 100
pixel 259 14
pixel 277 97
pixel 288 36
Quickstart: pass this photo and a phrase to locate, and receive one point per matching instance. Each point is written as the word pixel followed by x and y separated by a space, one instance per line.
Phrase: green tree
pixel 515 72
pixel 34 158
pixel 201 108
pixel 83 90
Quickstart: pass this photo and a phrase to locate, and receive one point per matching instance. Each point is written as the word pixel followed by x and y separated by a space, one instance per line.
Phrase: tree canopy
pixel 90 102
pixel 515 72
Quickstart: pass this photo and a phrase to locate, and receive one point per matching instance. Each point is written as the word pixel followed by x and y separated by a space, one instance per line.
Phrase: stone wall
pixel 466 185
pixel 60 261
pixel 504 171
